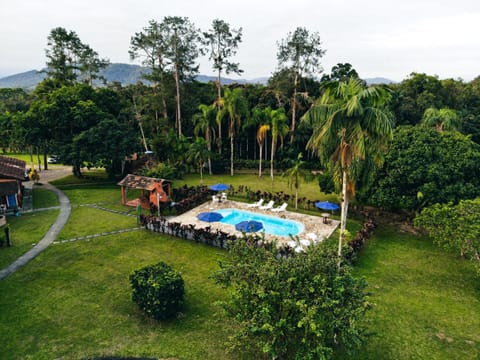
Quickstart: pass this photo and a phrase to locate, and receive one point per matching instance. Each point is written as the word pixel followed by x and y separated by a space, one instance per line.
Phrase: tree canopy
pixel 424 167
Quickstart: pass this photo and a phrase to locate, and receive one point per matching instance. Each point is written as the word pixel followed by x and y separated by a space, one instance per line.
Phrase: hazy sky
pixel 378 37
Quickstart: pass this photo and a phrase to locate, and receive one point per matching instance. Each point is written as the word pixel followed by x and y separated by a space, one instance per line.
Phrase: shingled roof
pixel 140 182
pixel 11 168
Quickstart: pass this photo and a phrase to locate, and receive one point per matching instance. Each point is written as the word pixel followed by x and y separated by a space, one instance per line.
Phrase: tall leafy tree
pixel 261 139
pixel 236 108
pixel 300 52
pixel 68 58
pixel 205 122
pixel 351 124
pixel 182 50
pixel 424 167
pixel 150 45
pixel 279 129
pixel 223 42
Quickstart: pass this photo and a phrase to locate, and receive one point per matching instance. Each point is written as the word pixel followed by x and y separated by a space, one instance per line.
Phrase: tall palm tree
pixel 236 107
pixel 441 119
pixel 295 176
pixel 279 129
pixel 205 123
pixel 261 137
pixel 350 124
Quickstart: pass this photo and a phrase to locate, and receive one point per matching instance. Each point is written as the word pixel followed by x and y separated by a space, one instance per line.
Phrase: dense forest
pixel 183 125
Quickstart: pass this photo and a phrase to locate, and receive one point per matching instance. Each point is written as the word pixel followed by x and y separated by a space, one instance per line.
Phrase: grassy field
pixel 25 231
pixel 73 301
pixel 310 190
pixel 426 301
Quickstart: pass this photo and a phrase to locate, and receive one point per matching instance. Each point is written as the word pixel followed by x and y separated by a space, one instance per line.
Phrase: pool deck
pixel 313 224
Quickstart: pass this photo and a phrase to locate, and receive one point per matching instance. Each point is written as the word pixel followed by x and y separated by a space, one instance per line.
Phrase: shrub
pixel 164 171
pixel 158 290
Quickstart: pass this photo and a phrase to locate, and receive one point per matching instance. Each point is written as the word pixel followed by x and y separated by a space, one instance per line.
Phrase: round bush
pixel 158 290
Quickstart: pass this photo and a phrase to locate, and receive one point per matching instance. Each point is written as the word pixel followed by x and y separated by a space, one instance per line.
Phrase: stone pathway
pixel 88 237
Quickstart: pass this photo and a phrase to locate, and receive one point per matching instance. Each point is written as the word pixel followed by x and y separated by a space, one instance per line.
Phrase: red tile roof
pixel 140 182
pixel 11 168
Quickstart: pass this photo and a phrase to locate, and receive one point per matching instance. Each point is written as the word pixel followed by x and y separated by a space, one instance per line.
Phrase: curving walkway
pixel 50 236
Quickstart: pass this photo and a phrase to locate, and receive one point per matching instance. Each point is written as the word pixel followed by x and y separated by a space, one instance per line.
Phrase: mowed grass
pixel 426 300
pixel 89 221
pixel 25 231
pixel 74 302
pixel 310 190
pixel 43 198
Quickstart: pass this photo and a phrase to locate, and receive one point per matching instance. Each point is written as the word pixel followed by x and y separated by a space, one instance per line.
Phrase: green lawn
pixel 25 230
pixel 426 300
pixel 310 190
pixel 43 198
pixel 73 301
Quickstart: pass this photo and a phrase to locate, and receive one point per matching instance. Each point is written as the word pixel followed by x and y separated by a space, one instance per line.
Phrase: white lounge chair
pixel 215 199
pixel 257 204
pixel 304 242
pixel 281 208
pixel 268 206
pixel 224 197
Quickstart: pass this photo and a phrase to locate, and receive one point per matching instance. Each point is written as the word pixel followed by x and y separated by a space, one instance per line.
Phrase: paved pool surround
pixel 312 224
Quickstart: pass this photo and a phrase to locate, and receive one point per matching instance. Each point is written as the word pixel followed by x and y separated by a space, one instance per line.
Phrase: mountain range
pixel 127 74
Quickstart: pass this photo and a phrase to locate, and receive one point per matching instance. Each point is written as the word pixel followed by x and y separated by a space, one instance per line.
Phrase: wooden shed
pixel 153 190
pixel 12 173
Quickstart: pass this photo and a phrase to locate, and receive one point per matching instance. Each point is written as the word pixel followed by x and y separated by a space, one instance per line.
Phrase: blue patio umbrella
pixel 219 187
pixel 326 205
pixel 209 216
pixel 249 226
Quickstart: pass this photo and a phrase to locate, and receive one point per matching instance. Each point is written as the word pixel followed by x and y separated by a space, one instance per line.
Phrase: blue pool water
pixel 271 224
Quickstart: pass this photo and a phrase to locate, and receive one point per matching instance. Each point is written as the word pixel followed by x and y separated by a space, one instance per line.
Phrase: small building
pixel 12 173
pixel 153 190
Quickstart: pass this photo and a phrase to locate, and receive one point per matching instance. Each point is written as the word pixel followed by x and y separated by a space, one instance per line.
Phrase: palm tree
pixel 441 119
pixel 350 126
pixel 236 107
pixel 261 137
pixel 279 129
pixel 295 175
pixel 205 122
pixel 198 153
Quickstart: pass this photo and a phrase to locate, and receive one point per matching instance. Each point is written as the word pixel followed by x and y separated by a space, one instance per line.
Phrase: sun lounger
pixel 268 206
pixel 257 204
pixel 281 208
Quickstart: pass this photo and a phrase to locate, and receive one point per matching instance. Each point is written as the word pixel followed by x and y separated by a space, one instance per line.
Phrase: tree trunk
pixel 343 215
pixel 201 173
pixel 260 161
pixel 179 115
pixel 209 147
pixel 219 99
pixel 271 158
pixel 231 154
pixel 296 198
pixel 294 107
pixel 45 157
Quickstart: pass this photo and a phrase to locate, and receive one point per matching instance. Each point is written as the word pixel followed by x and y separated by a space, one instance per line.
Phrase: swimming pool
pixel 271 224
